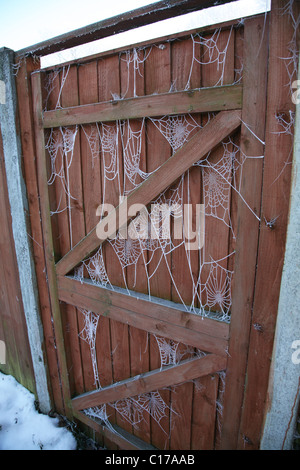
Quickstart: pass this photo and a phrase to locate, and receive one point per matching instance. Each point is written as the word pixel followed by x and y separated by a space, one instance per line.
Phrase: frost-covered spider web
pixel 96 269
pixel 285 121
pixel 88 334
pixel 291 61
pixel 176 129
pixel 136 57
pixel 222 177
pixel 211 53
pixel 60 146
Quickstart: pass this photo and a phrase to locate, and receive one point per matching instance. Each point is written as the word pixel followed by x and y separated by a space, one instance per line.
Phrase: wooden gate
pixel 152 338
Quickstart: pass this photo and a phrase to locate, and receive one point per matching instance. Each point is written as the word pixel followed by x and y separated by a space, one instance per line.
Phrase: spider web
pixel 60 147
pixel 136 57
pixel 291 61
pixel 96 269
pixel 88 334
pixel 176 129
pixel 212 53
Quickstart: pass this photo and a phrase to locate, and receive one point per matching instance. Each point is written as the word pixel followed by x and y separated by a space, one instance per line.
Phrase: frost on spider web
pixel 167 350
pixel 153 404
pixel 136 57
pixel 217 291
pixel 149 232
pixel 220 399
pixel 133 409
pixel 51 83
pixel 60 146
pixel 291 61
pixel 221 178
pixel 79 273
pixel 172 352
pixel 96 269
pixel 211 53
pixel 91 133
pixel 100 413
pixel 287 123
pixel 176 129
pixel 109 139
pixel 88 334
pixel 129 410
pixel 132 138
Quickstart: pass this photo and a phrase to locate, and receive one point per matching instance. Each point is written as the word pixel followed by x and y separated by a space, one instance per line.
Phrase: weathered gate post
pixel 19 207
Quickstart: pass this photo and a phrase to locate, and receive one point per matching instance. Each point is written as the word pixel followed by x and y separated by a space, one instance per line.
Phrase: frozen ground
pixel 22 427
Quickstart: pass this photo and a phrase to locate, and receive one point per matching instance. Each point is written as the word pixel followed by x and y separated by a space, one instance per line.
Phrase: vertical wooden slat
pixel 132 75
pixel 275 204
pixel 215 69
pixel 109 85
pixel 91 188
pixel 58 201
pixel 48 242
pixel 158 80
pixel 91 197
pixel 74 217
pixel 92 194
pixel 204 413
pixel 253 114
pixel 183 55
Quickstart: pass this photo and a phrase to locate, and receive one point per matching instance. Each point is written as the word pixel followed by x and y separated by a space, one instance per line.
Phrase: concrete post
pixel 281 417
pixel 19 207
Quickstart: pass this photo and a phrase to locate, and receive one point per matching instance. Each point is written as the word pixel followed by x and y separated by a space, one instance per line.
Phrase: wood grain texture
pixel 253 114
pixel 204 100
pixel 48 240
pixel 275 203
pixel 161 319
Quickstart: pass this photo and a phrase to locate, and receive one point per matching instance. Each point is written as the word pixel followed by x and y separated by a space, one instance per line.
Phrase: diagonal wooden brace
pixel 206 139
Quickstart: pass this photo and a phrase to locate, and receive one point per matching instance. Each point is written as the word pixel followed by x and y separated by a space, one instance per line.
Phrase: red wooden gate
pixel 152 339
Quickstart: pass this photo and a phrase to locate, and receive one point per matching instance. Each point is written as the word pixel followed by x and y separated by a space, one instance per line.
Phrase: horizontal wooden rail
pixel 156 317
pixel 114 433
pixel 118 24
pixel 182 102
pixel 206 139
pixel 150 381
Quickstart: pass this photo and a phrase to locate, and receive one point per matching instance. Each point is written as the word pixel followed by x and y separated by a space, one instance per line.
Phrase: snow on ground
pixel 22 427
